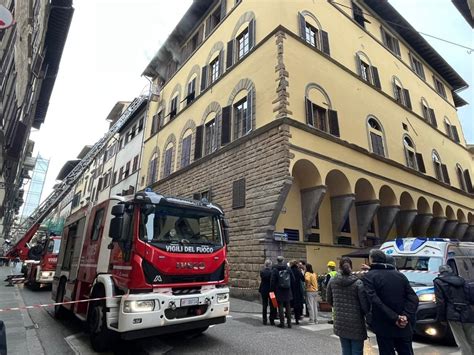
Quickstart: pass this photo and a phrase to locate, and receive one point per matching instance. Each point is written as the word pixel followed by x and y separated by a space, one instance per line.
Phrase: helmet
pixel 331 264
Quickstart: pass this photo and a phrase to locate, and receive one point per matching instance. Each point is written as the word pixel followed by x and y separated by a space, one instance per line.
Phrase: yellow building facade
pixel 331 124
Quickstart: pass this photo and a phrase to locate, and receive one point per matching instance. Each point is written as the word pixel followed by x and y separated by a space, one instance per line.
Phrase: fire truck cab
pixel 40 269
pixel 152 264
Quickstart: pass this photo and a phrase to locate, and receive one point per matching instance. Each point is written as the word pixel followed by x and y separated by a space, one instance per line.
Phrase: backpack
pixel 284 278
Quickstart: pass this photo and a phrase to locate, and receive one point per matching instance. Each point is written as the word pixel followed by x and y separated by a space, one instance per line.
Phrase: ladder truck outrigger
pixel 41 258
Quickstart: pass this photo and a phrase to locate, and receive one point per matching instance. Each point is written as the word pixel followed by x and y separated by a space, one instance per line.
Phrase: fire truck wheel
pixel 59 311
pixel 101 337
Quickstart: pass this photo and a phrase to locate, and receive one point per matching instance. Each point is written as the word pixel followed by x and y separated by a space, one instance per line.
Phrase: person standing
pixel 393 306
pixel 453 307
pixel 331 273
pixel 311 284
pixel 297 291
pixel 280 283
pixel 346 294
pixel 264 290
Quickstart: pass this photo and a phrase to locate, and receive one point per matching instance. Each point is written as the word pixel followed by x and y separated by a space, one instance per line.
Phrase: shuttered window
pixel 214 67
pixel 417 66
pixel 437 166
pixel 135 164
pixel 468 181
pixel 460 174
pixel 152 170
pixel 198 143
pixel 210 137
pixel 439 87
pixel 377 144
pixel 186 152
pixel 243 45
pixel 168 157
pixel 321 118
pixel 191 91
pixel 242 119
pixel 358 15
pixel 420 163
pixel 390 42
pixel 226 126
pixel 174 107
pixel 238 193
pixel 444 170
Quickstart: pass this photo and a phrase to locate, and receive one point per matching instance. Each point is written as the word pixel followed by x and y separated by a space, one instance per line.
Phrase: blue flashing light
pixel 399 243
pixel 417 243
pixel 148 189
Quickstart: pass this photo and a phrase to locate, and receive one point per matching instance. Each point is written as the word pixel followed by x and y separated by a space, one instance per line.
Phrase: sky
pixel 110 43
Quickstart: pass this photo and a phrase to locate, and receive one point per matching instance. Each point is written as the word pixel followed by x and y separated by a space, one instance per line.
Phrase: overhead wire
pixel 469 49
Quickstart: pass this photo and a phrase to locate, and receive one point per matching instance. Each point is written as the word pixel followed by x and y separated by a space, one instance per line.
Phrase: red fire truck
pixel 159 263
pixel 41 265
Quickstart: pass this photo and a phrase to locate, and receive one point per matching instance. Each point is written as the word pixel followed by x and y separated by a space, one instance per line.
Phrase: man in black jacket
pixel 454 307
pixel 264 289
pixel 281 283
pixel 393 304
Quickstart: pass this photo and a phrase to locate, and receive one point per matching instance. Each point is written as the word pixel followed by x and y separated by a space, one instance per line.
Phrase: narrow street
pixel 243 333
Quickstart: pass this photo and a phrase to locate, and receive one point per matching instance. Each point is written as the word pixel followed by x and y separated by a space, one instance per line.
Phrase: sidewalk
pixel 21 331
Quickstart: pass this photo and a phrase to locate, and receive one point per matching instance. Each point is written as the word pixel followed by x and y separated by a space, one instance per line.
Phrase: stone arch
pixel 212 107
pixel 364 190
pixel 243 84
pixel 406 201
pixel 217 47
pixel 337 183
pixel 196 69
pixel 306 173
pixel 154 153
pixel 461 216
pixel 190 125
pixel 364 57
pixel 450 213
pixel 387 196
pixel 246 17
pixel 309 14
pixel 437 210
pixel 422 205
pixel 171 139
pixel 314 86
pixel 177 89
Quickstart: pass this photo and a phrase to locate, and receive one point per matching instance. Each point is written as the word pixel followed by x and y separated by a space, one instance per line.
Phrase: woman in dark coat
pixel 297 291
pixel 345 293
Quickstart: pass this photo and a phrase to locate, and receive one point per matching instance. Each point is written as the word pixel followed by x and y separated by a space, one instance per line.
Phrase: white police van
pixel 419 259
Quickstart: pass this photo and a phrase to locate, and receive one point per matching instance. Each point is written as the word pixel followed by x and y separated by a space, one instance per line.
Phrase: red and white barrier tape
pixel 55 304
pixel 404 271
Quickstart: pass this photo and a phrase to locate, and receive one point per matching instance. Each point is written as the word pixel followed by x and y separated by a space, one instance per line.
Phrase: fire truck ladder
pixel 33 222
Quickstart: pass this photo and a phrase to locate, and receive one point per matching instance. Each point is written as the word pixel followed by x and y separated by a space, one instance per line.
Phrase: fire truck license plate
pixel 189 301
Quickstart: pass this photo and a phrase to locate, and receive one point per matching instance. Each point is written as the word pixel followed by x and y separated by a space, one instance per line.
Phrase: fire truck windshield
pixel 53 246
pixel 182 226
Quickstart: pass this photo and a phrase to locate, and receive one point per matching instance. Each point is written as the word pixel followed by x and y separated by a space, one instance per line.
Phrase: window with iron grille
pixel 238 193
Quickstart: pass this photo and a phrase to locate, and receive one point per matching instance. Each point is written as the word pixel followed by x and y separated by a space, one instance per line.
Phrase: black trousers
pixel 287 312
pixel 387 346
pixel 265 303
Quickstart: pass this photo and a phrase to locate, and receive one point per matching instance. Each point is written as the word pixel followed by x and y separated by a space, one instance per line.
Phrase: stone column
pixel 386 216
pixel 311 199
pixel 405 220
pixel 460 230
pixel 448 229
pixel 469 234
pixel 365 211
pixel 421 223
pixel 340 208
pixel 436 226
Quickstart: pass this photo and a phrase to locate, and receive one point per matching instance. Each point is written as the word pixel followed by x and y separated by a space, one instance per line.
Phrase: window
pixel 213 20
pixel 186 151
pixel 401 95
pixel 140 125
pixel 210 135
pixel 133 132
pixel 311 35
pixel 135 164
pixel 358 15
pixel 174 107
pixel 238 193
pixel 439 87
pixel 425 110
pixel 214 70
pixel 321 118
pixel 114 180
pixel 428 113
pixel 462 182
pixel 107 179
pixel 366 71
pixel 191 91
pixel 242 121
pixel 417 66
pixel 376 137
pixel 414 160
pixel 76 200
pixel 398 93
pixel 97 226
pixel 152 169
pixel 437 166
pixel 391 42
pixel 126 171
pixel 127 136
pixel 243 43
pixel 121 174
pixel 451 130
pixel 167 167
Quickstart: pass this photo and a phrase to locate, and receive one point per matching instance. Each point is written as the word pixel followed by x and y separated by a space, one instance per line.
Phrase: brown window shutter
pixel 230 54
pixel 225 134
pixel 445 174
pixel 333 123
pixel 309 112
pixel 358 65
pixel 302 23
pixel 208 26
pixel 420 163
pixel 221 62
pixel 384 37
pixel 377 144
pixel 406 95
pixel 432 117
pixel 325 40
pixel 397 46
pixel 467 179
pixel 198 145
pixel 200 35
pixel 248 118
pixel 204 78
pixel 251 34
pixel 375 75
pixel 223 9
pixel 455 133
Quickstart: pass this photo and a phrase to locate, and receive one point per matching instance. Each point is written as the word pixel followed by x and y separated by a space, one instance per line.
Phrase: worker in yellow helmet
pixel 331 273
